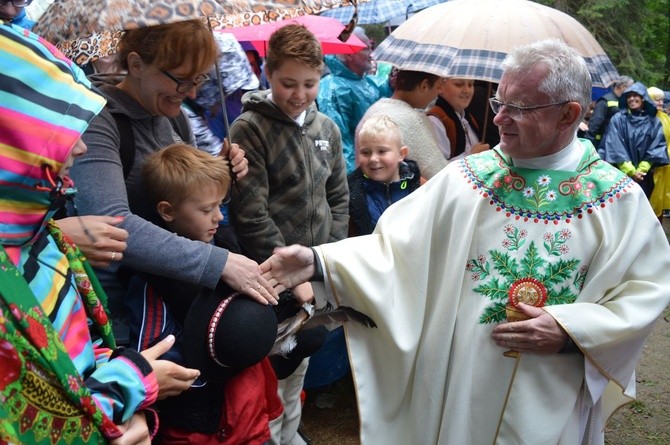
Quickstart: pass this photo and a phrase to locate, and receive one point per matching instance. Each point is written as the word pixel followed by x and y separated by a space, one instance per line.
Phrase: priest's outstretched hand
pixel 289 266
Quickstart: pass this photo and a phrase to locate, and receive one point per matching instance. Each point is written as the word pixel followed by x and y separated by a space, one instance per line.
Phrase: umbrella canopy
pixel 87 29
pixel 325 29
pixel 470 38
pixel 379 11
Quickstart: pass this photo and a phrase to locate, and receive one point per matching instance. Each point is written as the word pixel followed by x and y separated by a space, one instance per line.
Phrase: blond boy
pixel 384 174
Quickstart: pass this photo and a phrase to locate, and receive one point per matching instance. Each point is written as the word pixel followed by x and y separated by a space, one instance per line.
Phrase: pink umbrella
pixel 325 29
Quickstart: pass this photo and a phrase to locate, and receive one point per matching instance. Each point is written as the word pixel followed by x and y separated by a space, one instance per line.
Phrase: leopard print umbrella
pixel 85 30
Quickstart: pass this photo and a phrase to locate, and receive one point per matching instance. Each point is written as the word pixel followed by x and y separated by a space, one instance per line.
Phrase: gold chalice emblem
pixel 525 290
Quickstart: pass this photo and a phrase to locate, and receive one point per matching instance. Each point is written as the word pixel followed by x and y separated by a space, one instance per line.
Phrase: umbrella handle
pixel 219 83
pixel 486 112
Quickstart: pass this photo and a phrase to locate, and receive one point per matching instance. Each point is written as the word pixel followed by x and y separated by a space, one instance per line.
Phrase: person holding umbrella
pixel 164 64
pixel 507 309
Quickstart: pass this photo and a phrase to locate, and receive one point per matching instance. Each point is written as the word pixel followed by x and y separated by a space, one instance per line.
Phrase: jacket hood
pixel 639 88
pixel 45 105
pixel 259 102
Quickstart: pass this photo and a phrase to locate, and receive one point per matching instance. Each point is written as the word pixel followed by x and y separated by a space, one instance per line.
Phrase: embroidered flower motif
pixel 88 404
pixel 99 315
pixel 73 383
pixel 497 275
pixel 526 193
pixel 580 277
pixel 514 237
pixel 37 333
pixel 478 267
pixel 10 364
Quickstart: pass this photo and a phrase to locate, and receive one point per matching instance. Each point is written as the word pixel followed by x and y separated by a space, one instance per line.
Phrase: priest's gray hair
pixel 568 77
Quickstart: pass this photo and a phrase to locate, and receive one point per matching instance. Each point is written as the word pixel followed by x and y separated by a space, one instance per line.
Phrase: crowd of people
pixel 145 302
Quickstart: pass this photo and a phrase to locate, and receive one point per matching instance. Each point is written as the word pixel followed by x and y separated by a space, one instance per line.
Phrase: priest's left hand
pixel 540 333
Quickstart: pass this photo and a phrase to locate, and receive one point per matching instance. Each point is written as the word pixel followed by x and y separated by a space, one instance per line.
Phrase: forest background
pixel 635 34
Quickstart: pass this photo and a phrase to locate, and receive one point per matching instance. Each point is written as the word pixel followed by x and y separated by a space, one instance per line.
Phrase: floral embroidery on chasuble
pixel 543 268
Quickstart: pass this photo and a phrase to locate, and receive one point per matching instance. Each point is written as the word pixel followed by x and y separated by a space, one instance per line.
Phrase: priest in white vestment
pixel 541 220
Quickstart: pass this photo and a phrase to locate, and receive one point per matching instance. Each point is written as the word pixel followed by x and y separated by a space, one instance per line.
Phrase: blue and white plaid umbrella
pixel 470 38
pixel 379 11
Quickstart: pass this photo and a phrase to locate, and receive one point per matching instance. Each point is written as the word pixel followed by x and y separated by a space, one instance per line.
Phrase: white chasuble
pixel 437 275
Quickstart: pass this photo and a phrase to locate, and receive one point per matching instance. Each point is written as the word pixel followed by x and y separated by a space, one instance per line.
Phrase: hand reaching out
pixel 243 275
pixel 289 266
pixel 172 378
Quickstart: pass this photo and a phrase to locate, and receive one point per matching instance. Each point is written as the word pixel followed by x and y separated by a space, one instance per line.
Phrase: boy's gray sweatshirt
pixel 98 176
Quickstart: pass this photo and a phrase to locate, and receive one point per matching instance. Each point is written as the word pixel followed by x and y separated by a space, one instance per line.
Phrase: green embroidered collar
pixel 545 195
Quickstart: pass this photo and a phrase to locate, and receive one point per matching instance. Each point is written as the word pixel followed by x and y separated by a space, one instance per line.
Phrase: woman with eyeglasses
pixel 163 65
pixel 14 12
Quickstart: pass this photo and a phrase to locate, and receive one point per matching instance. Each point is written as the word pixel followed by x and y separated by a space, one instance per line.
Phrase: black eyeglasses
pixel 516 111
pixel 184 86
pixel 16 3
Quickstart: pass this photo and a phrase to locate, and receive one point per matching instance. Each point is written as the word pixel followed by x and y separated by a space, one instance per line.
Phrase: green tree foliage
pixel 635 34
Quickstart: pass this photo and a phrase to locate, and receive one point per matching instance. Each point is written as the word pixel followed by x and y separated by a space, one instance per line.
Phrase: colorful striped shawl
pixel 45 105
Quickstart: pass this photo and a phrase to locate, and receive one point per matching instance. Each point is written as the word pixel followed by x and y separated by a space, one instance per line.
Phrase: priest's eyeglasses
pixel 516 111
pixel 16 3
pixel 184 86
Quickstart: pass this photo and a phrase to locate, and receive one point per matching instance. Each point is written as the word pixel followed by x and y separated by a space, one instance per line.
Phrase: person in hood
pixel 296 190
pixel 634 139
pixel 62 379
pixel 348 91
pixel 660 197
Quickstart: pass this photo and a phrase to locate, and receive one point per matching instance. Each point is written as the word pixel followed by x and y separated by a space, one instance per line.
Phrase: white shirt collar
pixel 567 159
